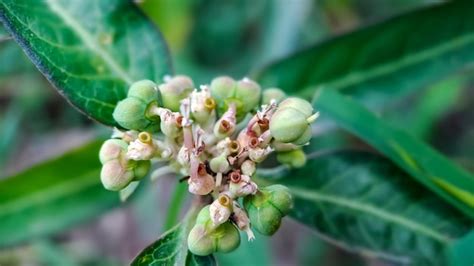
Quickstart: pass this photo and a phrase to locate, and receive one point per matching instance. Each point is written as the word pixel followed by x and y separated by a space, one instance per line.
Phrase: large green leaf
pixel 385 59
pixel 171 249
pixel 417 158
pixel 53 196
pixel 90 50
pixel 363 202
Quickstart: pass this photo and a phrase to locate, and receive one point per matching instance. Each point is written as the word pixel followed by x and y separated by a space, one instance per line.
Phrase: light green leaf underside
pixel 383 60
pixel 53 196
pixel 364 203
pixel 418 159
pixel 90 50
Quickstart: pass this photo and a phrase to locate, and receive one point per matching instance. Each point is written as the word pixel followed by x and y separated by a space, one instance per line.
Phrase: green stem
pixel 177 200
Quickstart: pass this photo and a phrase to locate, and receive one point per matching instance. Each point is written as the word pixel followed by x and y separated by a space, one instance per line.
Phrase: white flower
pixel 220 210
pixel 259 154
pixel 137 150
pixel 242 221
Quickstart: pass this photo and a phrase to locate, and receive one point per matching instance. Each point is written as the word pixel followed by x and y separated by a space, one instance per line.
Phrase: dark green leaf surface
pixel 53 196
pixel 363 202
pixel 385 59
pixel 171 249
pixel 90 50
pixel 418 159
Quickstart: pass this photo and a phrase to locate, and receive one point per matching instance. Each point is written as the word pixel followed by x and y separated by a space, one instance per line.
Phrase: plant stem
pixel 177 200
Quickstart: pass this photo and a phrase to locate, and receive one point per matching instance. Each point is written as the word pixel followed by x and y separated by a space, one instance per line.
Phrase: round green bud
pixel 219 164
pixel 145 90
pixel 112 149
pixel 226 237
pixel 115 176
pixel 199 243
pixel 298 104
pixel 272 94
pixel 280 197
pixel 203 239
pixel 222 88
pixel 141 169
pixel 287 125
pixel 249 93
pixel 176 89
pixel 305 137
pixel 264 217
pixel 267 207
pixel 130 113
pixel 294 158
pixel 204 216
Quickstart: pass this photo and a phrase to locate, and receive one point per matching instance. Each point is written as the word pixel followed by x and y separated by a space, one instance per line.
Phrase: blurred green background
pixel 209 38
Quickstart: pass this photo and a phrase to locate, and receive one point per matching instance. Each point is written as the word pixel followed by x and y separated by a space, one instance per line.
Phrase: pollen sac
pixel 291 121
pixel 267 207
pixel 174 90
pixel 131 112
pixel 205 239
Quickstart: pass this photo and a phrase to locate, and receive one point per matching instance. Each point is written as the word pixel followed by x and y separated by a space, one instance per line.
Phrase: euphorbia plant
pixel 407 203
pixel 216 139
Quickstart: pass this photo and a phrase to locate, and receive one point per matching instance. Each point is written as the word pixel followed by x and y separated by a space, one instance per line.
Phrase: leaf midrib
pixel 88 40
pixel 371 210
pixel 50 194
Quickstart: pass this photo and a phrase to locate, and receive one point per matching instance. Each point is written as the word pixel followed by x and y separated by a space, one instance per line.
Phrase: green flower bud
pixel 219 164
pixel 174 90
pixel 249 93
pixel 141 169
pixel 272 94
pixel 304 138
pixel 204 239
pixel 267 207
pixel 112 149
pixel 115 175
pixel 295 158
pixel 287 125
pixel 145 90
pixel 298 104
pixel 222 88
pixel 130 113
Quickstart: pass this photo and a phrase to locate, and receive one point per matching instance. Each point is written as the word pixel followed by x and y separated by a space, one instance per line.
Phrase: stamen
pixel 224 200
pixel 145 137
pixel 235 177
pixel 234 147
pixel 210 104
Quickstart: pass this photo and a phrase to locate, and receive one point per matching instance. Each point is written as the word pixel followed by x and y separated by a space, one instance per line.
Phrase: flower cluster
pixel 214 136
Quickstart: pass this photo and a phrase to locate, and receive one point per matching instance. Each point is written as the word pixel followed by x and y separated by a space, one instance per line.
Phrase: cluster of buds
pixel 214 136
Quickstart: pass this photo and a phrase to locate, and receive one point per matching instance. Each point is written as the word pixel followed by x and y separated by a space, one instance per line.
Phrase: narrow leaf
pixel 53 196
pixel 385 59
pixel 90 50
pixel 363 202
pixel 418 159
pixel 171 248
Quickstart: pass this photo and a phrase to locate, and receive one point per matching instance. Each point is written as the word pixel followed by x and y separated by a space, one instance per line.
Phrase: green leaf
pixel 172 249
pixel 363 202
pixel 425 164
pixel 90 50
pixel 53 196
pixel 383 60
